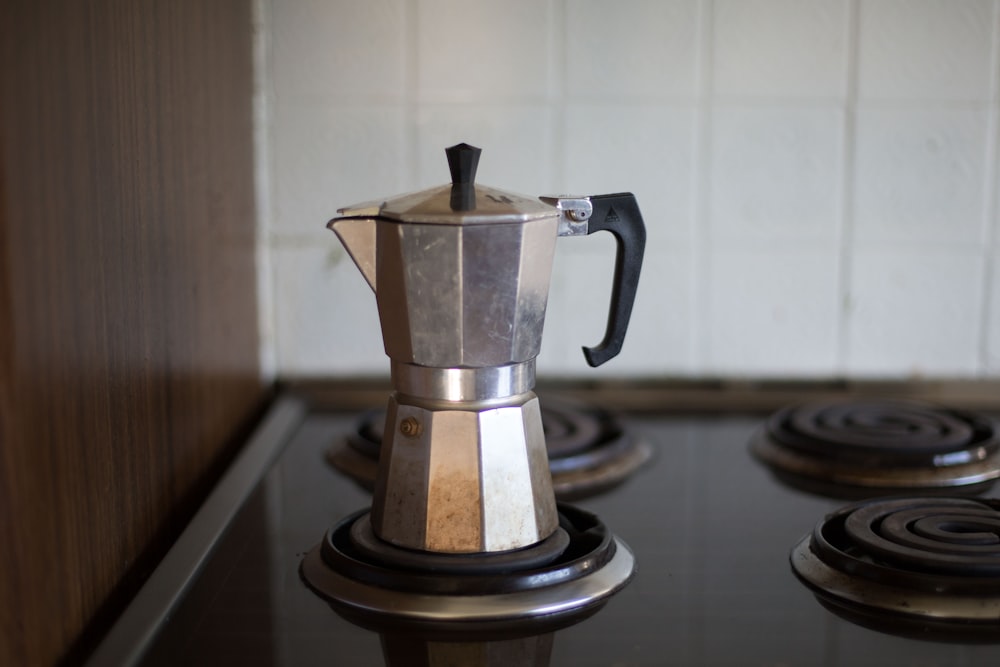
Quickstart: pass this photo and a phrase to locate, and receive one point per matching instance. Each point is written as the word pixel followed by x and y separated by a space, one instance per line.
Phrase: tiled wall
pixel 818 177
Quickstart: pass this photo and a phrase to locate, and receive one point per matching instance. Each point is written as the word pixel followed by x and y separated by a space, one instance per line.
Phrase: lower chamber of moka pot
pixel 571 573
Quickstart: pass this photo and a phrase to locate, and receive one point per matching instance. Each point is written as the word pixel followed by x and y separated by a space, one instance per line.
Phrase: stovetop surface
pixel 710 526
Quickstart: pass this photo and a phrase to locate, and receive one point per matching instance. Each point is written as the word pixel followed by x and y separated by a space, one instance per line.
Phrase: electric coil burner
pixel 866 448
pixel 928 567
pixel 572 572
pixel 589 449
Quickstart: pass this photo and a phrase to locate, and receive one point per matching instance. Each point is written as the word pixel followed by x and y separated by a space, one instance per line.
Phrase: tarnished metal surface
pixel 464 481
pixel 452 295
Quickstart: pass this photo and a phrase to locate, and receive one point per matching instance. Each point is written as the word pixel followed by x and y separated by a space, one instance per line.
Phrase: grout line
pixel 989 227
pixel 930 104
pixel 263 95
pixel 700 237
pixel 567 252
pixel 306 101
pixel 699 345
pixel 845 255
pixel 411 91
pixel 990 268
pixel 560 358
pixel 556 99
pixel 362 101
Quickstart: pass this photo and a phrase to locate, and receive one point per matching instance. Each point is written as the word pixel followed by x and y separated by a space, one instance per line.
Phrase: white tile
pixel 925 49
pixel 775 174
pixel 338 49
pixel 645 48
pixel 914 313
pixel 920 175
pixel 327 158
pixel 326 316
pixel 482 51
pixel 576 304
pixel 645 150
pixel 659 340
pixel 516 144
pixel 788 48
pixel 772 312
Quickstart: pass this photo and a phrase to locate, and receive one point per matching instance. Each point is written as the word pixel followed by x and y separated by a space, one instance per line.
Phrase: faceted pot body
pixel 463 295
pixel 464 481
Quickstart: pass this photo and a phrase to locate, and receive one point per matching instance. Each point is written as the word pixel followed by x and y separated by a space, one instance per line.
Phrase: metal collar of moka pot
pixel 461 276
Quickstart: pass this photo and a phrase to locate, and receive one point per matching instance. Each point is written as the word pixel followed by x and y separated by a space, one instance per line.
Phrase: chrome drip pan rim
pixel 845 589
pixel 924 567
pixel 568 597
pixel 793 463
pixel 589 566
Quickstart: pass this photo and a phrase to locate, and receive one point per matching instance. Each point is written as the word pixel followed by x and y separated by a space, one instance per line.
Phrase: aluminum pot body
pixel 463 296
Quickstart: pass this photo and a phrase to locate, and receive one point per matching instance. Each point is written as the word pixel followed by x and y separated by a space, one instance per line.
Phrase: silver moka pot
pixel 461 274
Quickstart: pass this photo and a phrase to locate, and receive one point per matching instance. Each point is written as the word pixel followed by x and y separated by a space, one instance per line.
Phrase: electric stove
pixel 736 565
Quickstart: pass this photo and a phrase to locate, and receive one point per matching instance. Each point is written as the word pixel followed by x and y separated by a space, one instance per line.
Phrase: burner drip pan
pixel 879 447
pixel 577 569
pixel 925 567
pixel 589 450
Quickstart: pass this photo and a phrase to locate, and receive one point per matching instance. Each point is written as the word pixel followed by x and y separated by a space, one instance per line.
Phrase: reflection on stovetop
pixel 711 529
pixel 499 644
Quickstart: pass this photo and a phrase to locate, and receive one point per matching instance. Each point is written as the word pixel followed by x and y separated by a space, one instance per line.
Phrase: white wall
pixel 818 177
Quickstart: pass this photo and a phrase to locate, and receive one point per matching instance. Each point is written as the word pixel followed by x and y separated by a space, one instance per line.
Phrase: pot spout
pixel 359 238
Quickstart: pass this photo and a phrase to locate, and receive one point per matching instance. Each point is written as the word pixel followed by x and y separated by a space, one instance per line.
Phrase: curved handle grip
pixel 618 214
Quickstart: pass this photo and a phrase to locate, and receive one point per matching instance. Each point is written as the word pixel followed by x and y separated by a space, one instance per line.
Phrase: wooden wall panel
pixel 128 341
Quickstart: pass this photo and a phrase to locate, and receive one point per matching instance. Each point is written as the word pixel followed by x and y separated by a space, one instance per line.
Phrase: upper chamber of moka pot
pixel 461 272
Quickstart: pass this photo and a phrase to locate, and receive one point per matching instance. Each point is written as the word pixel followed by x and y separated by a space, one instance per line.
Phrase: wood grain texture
pixel 128 342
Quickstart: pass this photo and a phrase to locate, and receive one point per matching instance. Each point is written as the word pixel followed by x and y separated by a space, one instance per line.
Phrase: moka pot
pixel 461 276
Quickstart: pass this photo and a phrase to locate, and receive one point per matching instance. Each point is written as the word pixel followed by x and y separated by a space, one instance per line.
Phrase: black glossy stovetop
pixel 711 529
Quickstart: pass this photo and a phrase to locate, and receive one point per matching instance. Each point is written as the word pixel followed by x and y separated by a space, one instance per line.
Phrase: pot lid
pixel 462 202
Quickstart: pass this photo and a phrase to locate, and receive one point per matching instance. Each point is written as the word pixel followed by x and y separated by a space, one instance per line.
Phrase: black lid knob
pixel 463 160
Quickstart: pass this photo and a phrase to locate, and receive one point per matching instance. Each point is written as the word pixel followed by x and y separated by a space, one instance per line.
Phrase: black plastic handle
pixel 618 214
